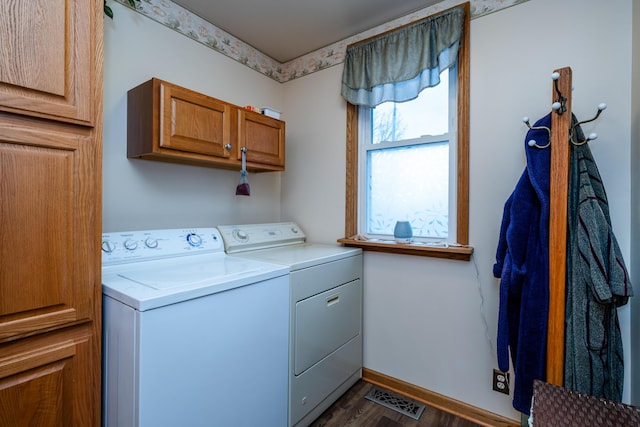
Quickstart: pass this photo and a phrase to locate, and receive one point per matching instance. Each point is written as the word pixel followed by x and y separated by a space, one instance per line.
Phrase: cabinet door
pixel 193 122
pixel 263 137
pixel 48 380
pixel 171 123
pixel 47 212
pixel 50 71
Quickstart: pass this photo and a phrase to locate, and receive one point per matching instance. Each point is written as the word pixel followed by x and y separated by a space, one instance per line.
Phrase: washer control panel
pixel 240 238
pixel 127 246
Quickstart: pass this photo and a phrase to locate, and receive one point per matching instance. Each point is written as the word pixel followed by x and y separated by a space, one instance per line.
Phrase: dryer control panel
pixel 248 237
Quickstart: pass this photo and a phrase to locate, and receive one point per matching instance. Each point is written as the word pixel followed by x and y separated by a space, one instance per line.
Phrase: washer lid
pixel 152 284
pixel 186 274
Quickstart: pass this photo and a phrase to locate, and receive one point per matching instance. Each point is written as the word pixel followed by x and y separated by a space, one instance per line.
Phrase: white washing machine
pixel 191 336
pixel 325 356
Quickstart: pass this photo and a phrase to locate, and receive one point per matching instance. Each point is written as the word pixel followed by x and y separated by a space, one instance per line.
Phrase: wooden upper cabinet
pixel 263 137
pixel 51 71
pixel 170 123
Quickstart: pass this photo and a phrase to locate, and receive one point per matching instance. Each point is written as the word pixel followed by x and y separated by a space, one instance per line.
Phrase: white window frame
pixel 365 145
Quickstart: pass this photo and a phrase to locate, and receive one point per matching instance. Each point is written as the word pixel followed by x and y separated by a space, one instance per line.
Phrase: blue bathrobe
pixel 522 264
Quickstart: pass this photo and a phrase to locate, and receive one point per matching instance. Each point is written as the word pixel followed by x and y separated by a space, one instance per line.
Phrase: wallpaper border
pixel 190 25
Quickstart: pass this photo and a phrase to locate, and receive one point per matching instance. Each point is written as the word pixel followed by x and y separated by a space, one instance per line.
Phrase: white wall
pixel 433 322
pixel 635 206
pixel 313 185
pixel 142 194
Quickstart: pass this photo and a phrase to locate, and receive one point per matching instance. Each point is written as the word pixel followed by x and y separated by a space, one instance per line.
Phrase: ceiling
pixel 287 29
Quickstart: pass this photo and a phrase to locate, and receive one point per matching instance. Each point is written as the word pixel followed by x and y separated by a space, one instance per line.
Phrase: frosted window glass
pixel 409 184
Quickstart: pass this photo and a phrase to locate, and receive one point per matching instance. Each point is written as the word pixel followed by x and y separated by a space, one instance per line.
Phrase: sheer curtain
pixel 397 65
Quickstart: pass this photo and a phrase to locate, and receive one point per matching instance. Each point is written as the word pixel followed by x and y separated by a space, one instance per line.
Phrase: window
pixel 409 161
pixel 404 165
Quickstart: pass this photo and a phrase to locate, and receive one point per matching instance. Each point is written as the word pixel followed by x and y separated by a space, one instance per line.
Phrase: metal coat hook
pixel 532 142
pixel 592 136
pixel 560 105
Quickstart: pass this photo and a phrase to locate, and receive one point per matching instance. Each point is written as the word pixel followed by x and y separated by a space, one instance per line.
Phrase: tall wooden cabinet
pixel 50 212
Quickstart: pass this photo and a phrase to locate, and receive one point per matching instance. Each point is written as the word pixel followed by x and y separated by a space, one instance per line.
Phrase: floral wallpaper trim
pixel 190 25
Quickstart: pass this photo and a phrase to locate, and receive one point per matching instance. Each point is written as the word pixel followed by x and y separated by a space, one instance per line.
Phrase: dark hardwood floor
pixel 353 410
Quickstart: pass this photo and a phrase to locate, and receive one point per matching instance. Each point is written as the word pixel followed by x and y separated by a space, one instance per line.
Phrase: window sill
pixel 461 253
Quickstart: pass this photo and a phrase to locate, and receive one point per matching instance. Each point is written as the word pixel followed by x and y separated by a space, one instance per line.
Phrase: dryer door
pixel 325 322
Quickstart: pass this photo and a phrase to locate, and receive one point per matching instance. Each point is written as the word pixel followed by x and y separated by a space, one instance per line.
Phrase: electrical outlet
pixel 501 381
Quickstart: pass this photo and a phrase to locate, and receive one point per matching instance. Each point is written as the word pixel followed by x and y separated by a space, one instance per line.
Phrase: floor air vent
pixel 396 402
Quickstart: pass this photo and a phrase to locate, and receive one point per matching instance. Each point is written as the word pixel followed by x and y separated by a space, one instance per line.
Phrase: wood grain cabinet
pixel 170 123
pixel 50 212
pixel 263 137
pixel 47 59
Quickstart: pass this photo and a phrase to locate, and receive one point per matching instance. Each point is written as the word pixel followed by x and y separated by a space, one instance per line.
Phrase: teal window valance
pixel 397 65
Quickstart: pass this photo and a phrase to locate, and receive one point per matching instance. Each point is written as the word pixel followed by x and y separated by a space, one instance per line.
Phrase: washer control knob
pixel 151 243
pixel 108 246
pixel 131 245
pixel 240 235
pixel 194 240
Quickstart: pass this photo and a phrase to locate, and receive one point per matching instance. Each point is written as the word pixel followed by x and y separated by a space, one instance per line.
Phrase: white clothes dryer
pixel 325 357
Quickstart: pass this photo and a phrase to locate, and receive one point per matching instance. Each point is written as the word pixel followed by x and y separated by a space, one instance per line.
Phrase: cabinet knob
pixel 228 146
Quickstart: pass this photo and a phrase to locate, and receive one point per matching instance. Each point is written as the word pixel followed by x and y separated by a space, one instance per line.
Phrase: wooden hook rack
pixel 558 198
